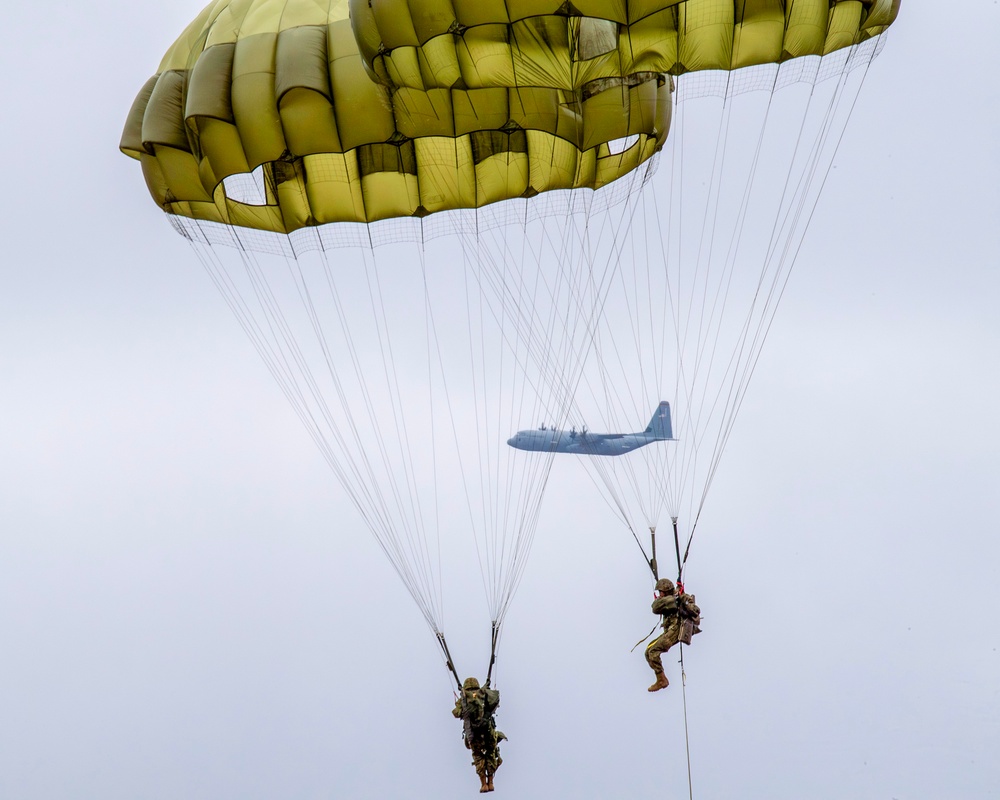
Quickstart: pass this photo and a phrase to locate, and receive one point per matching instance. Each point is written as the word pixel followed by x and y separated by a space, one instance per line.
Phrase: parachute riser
pixel 494 637
pixel 652 561
pixel 654 567
pixel 447 657
pixel 677 550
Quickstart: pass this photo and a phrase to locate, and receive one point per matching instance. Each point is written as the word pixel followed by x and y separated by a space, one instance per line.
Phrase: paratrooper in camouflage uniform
pixel 681 620
pixel 476 708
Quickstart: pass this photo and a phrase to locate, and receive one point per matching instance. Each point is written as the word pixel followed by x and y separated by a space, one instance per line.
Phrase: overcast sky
pixel 190 608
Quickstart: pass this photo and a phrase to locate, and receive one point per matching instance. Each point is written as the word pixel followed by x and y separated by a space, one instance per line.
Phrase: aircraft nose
pixel 512 441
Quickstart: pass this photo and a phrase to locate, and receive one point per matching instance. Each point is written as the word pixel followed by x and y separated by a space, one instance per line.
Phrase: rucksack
pixel 689 619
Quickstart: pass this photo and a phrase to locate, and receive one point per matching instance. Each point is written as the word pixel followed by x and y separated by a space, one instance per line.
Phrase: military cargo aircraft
pixel 583 442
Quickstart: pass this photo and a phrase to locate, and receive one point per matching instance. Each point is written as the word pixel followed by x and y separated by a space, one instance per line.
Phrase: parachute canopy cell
pixel 282 88
pixel 443 43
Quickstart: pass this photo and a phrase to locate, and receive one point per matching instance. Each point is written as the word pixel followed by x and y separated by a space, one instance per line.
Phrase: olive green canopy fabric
pixel 281 84
pixel 435 43
pixel 361 110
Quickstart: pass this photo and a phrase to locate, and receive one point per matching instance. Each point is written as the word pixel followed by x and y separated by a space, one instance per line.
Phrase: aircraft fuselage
pixel 550 440
pixel 580 442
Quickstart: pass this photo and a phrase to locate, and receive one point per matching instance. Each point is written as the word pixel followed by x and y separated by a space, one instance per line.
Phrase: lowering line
pixel 684 702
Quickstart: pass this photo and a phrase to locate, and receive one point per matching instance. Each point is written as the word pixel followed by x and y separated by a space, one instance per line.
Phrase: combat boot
pixel 661 683
pixel 484 785
pixel 489 784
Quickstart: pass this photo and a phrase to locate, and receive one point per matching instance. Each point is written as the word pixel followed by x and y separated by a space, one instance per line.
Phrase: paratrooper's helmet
pixel 471 684
pixel 665 585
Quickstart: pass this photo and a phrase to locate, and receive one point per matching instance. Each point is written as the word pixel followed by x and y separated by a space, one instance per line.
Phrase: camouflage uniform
pixel 676 612
pixel 476 708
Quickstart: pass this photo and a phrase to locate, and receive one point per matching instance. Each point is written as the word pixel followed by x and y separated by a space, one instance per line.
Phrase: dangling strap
pixel 644 638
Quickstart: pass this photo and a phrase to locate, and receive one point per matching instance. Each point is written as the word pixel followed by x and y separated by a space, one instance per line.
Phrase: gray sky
pixel 190 608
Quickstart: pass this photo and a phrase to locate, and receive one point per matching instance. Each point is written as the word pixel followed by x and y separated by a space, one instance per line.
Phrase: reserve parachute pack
pixel 690 618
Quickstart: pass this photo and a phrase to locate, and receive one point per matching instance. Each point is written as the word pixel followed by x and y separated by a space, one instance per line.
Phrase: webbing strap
pixel 644 638
pixel 494 637
pixel 447 658
pixel 677 550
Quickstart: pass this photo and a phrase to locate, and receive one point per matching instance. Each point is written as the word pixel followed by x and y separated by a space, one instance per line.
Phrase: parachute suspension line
pixel 481 431
pixel 549 360
pixel 521 494
pixel 593 302
pixel 253 302
pixel 804 207
pixel 384 527
pixel 588 305
pixel 722 290
pixel 590 293
pixel 538 336
pixel 706 343
pixel 564 289
pixel 661 456
pixel 672 487
pixel 373 497
pixel 485 549
pixel 561 292
pixel 272 358
pixel 693 368
pixel 434 354
pixel 658 478
pixel 490 555
pixel 399 555
pixel 623 406
pixel 684 390
pixel 318 397
pixel 600 472
pixel 708 233
pixel 415 533
pixel 576 340
pixel 533 481
pixel 509 297
pixel 234 300
pixel 480 424
pixel 685 387
pixel 805 204
pixel 741 357
pixel 495 281
pixel 608 349
pixel 402 535
pixel 525 538
pixel 555 363
pixel 283 348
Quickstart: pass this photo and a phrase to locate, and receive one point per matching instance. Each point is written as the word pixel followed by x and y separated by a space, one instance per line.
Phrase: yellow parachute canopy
pixel 282 86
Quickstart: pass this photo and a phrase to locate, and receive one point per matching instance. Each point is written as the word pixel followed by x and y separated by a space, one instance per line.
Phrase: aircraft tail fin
pixel 660 425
